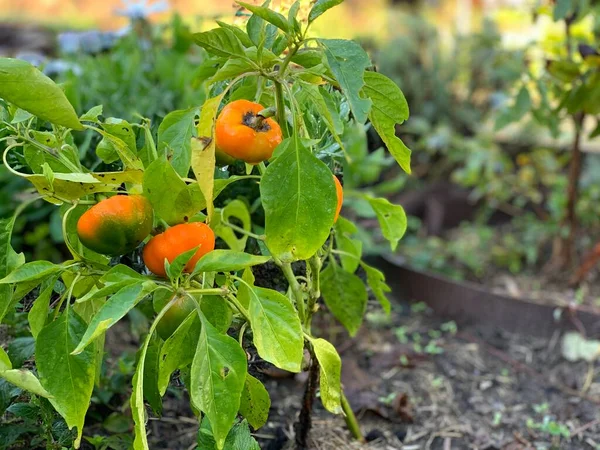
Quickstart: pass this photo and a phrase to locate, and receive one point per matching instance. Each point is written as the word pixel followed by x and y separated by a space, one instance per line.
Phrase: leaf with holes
pixel 218 375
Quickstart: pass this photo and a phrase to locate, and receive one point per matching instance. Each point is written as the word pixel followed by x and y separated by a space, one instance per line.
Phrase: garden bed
pixel 417 383
pixel 469 302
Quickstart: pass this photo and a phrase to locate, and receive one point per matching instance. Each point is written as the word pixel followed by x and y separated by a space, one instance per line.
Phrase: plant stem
pixel 296 289
pixel 239 307
pixel 350 418
pixel 280 104
pixel 314 285
pixel 304 424
pixel 573 190
pixel 242 231
pixel 209 291
pixel 281 108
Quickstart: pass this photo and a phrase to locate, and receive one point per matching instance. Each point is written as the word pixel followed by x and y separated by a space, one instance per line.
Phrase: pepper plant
pixel 313 89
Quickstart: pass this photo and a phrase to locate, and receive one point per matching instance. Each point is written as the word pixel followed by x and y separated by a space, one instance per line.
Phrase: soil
pixel 417 384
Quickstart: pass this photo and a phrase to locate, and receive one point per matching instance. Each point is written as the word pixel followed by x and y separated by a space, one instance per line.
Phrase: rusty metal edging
pixel 472 304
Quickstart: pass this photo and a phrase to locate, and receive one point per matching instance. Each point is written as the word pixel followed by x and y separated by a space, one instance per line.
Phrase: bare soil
pixel 472 389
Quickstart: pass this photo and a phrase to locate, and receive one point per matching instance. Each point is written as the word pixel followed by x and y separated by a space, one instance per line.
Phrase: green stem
pixel 68 296
pixel 288 59
pixel 350 418
pixel 340 252
pixel 241 230
pixel 209 291
pixel 296 290
pixel 314 286
pixel 281 108
pixel 241 335
pixel 74 252
pixel 239 307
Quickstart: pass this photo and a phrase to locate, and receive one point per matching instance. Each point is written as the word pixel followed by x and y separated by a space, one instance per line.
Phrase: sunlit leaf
pixel 389 108
pixel 26 87
pixel 299 199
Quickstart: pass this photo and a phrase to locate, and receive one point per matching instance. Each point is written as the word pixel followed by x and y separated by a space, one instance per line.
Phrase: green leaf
pixel 136 402
pixel 113 310
pixel 239 33
pixel 178 350
pixel 123 130
pixel 87 311
pixel 565 71
pixel 276 328
pixel 26 87
pixel 5 363
pixel 177 203
pixel 348 61
pixel 68 378
pixel 26 380
pixel 330 365
pixel 389 108
pixel 38 314
pixel 320 7
pixel 228 261
pixel 218 375
pixel 299 200
pixel 129 157
pixel 238 210
pixel 392 219
pixel 269 15
pixel 9 260
pixel 343 229
pixel 311 94
pixel 151 371
pixel 345 295
pixel 92 115
pixel 308 57
pixel 175 269
pixel 33 271
pixel 561 9
pixel 175 133
pixel 219 42
pixel 73 186
pixel 231 69
pixel 114 280
pixel 217 311
pixel 255 402
pixel 376 281
pixel 239 438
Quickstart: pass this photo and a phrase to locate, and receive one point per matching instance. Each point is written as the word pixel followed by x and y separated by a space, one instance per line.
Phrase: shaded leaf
pixel 255 402
pixel 345 295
